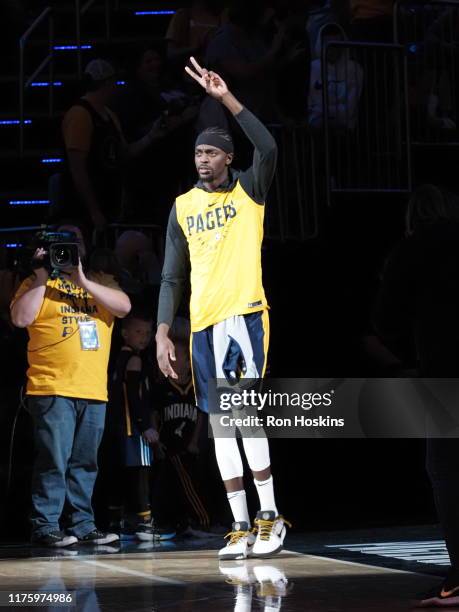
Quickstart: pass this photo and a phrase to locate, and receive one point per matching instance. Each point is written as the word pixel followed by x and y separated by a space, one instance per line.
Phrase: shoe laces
pixel 235 536
pixel 265 527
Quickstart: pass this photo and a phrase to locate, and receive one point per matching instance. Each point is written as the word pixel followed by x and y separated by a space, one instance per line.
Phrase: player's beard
pixel 208 177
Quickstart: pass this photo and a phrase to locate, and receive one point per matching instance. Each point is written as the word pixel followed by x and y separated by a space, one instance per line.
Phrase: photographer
pixel 69 316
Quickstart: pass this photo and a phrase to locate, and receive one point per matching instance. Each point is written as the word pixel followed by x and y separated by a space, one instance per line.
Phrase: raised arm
pixel 257 179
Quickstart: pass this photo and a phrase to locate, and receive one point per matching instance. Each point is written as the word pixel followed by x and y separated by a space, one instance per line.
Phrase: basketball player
pixel 214 236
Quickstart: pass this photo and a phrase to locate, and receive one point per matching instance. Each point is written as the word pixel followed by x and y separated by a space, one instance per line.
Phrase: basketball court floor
pixel 381 570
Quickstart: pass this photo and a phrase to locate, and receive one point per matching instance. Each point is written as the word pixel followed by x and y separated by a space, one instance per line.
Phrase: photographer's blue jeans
pixel 67 433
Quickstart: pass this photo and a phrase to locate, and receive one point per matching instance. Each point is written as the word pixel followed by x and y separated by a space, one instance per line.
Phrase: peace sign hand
pixel 214 85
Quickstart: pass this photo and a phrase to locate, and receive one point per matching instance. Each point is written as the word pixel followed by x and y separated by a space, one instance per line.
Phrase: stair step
pixel 28 175
pixel 35 155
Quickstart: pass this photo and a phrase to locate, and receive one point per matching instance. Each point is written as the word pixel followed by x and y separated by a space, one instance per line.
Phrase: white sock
pixel 265 491
pixel 238 503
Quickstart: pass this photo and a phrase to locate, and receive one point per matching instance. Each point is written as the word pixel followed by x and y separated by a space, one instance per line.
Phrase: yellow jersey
pixel 57 363
pixel 224 231
pixel 214 240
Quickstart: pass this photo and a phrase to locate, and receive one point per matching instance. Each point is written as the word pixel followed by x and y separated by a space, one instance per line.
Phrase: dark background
pixel 321 293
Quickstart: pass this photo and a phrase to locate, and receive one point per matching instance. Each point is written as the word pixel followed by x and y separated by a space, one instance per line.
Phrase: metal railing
pixel 81 10
pixel 291 209
pixel 430 35
pixel 365 118
pixel 24 82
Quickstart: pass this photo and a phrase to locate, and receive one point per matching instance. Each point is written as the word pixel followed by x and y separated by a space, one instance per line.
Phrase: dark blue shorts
pixel 203 359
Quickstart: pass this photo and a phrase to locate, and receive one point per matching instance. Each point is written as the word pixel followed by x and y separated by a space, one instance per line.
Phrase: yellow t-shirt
pixel 57 363
pixel 224 231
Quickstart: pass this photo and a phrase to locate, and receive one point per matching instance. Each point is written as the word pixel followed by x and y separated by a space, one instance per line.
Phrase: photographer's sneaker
pixel 54 539
pixel 97 538
pixel 241 541
pixel 271 530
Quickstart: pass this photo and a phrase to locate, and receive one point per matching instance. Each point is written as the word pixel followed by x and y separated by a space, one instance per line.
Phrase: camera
pixel 62 251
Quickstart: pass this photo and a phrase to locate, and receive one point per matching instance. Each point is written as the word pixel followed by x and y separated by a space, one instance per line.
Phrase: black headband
pixel 214 140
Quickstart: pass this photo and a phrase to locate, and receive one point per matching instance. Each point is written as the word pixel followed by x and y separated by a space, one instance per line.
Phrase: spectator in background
pixel 419 298
pixel 295 58
pixel 321 13
pixel 371 20
pixel 138 103
pixel 441 71
pixel 345 78
pixel 96 151
pixel 103 259
pixel 139 264
pixel 149 95
pixel 191 29
pixel 151 103
pixel 239 53
pixel 419 290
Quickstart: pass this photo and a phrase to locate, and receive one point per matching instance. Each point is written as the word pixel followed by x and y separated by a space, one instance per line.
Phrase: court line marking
pixel 160 579
pixel 125 570
pixel 373 567
pixel 398 543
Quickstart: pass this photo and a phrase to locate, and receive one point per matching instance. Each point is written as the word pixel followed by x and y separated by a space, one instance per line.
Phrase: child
pixel 130 427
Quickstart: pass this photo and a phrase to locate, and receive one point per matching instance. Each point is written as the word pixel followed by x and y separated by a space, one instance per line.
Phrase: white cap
pixel 99 70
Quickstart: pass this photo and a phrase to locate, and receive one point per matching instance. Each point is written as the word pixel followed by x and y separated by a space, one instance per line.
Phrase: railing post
pixel 47 13
pixel 314 185
pixel 407 122
pixel 297 171
pixel 107 19
pixel 51 65
pixel 325 102
pixel 78 36
pixel 395 22
pixel 21 96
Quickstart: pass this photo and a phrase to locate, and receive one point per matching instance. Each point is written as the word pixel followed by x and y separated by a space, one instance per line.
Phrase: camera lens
pixel 62 256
